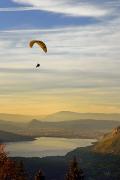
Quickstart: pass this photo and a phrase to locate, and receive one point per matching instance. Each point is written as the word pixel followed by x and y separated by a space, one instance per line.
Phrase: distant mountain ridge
pixel 12 137
pixel 61 116
pixel 67 129
pixel 72 129
pixel 68 115
pixel 62 124
pixel 110 143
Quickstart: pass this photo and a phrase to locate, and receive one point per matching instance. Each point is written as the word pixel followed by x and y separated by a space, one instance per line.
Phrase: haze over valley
pixel 62 124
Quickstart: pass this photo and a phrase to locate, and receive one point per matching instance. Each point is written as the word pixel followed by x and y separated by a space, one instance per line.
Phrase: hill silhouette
pixel 110 143
pixel 86 128
pixel 60 116
pixel 74 129
pixel 12 137
pixel 69 115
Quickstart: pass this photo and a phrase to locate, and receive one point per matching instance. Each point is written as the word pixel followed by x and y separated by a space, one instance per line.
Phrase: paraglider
pixel 40 44
pixel 38 65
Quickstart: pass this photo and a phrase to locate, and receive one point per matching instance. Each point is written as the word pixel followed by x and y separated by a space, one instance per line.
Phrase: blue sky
pixel 37 14
pixel 34 18
pixel 80 72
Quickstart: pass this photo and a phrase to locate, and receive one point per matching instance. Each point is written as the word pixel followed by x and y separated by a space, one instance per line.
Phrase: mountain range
pixel 68 115
pixel 60 116
pixel 60 125
pixel 66 129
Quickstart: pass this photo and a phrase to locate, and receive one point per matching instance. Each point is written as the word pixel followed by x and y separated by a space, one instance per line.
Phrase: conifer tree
pixel 9 169
pixel 20 171
pixel 39 176
pixel 74 172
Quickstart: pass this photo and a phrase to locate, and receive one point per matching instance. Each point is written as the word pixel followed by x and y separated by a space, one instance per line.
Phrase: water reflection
pixel 44 146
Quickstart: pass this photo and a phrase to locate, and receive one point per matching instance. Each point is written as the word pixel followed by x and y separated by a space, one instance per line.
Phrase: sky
pixel 80 72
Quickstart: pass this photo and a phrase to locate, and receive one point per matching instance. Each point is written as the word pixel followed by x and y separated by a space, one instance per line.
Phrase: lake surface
pixel 45 146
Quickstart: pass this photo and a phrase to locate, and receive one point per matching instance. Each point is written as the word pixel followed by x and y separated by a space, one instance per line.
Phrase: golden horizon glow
pixel 45 103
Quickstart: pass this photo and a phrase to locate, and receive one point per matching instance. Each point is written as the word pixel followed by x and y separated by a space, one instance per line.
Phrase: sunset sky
pixel 80 72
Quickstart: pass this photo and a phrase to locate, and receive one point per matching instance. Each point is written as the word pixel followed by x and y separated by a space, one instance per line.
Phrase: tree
pixel 9 169
pixel 20 172
pixel 39 176
pixel 74 172
pixel 3 154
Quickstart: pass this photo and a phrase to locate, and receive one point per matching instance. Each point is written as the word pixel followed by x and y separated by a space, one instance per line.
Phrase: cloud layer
pixel 81 69
pixel 67 7
pixel 91 54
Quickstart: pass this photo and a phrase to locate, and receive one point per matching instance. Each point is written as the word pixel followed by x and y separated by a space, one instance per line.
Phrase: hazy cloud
pixel 82 62
pixel 68 7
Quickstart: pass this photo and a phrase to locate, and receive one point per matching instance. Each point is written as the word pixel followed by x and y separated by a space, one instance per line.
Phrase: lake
pixel 45 146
